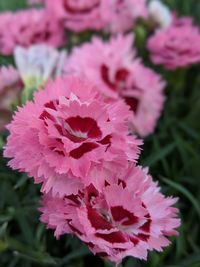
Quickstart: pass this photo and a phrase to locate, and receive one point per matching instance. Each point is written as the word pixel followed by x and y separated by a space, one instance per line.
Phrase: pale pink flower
pixel 28 27
pixel 160 14
pixel 120 75
pixel 38 63
pixel 123 215
pixel 172 47
pixel 120 16
pixel 67 129
pixel 10 87
pixel 77 15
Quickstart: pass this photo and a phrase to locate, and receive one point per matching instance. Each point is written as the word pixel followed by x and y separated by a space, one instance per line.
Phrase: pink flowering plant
pixel 99 103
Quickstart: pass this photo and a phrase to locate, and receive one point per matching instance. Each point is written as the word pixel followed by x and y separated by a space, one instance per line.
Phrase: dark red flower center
pixel 102 219
pixel 75 8
pixel 83 130
pixel 123 216
pixel 118 221
pixel 118 84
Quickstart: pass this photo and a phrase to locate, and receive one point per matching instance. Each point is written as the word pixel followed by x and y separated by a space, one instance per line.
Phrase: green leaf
pixel 185 192
pixel 155 157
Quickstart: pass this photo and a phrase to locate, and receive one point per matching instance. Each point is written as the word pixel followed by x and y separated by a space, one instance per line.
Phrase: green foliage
pixel 172 153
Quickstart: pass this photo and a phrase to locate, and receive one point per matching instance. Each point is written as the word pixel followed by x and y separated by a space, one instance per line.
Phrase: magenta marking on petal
pixel 105 76
pixel 73 138
pixel 122 183
pixel 121 75
pixel 51 104
pixel 60 152
pixel 120 214
pixel 45 114
pixel 134 240
pixel 106 141
pixel 74 198
pixel 90 244
pixel 146 226
pixel 132 102
pixel 81 150
pixel 143 237
pixel 106 183
pixel 91 192
pixel 98 221
pixel 85 125
pixel 115 237
pixel 75 230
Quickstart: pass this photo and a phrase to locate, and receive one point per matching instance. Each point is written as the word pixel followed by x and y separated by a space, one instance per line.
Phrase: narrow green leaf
pixel 185 192
pixel 155 157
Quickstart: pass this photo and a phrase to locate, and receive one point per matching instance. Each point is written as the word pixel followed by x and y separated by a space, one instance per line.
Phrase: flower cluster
pixel 77 144
pixel 77 131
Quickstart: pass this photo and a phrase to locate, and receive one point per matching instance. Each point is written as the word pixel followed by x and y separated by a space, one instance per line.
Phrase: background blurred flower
pixel 38 63
pixel 176 46
pixel 28 27
pixel 126 216
pixel 120 16
pixel 10 87
pixel 121 76
pixel 77 15
pixel 160 14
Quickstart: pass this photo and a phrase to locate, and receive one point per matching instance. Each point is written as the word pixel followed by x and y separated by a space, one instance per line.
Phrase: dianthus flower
pixel 77 15
pixel 172 47
pixel 67 129
pixel 10 87
pixel 28 27
pixel 115 215
pixel 38 63
pixel 120 75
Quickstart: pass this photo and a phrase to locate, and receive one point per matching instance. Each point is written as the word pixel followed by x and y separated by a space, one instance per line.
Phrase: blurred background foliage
pixel 172 153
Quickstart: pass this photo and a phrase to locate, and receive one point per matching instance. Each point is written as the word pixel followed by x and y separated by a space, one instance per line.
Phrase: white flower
pixel 160 13
pixel 38 63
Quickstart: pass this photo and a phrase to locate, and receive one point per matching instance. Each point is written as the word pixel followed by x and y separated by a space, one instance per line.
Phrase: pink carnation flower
pixel 119 75
pixel 123 215
pixel 172 47
pixel 28 27
pixel 67 129
pixel 10 86
pixel 120 16
pixel 77 15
